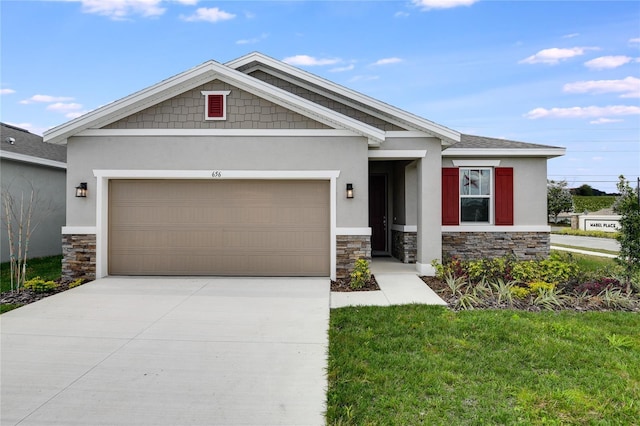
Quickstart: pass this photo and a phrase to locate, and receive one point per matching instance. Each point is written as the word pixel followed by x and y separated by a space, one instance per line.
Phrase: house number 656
pixel 216 174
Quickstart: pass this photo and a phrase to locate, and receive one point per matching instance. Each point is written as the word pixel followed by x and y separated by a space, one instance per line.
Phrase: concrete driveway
pixel 169 351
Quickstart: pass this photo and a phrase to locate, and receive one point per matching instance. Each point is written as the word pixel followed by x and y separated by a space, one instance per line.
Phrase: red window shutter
pixel 450 196
pixel 215 106
pixel 504 195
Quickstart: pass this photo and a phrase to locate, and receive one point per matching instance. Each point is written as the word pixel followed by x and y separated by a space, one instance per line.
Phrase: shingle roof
pixel 27 143
pixel 479 142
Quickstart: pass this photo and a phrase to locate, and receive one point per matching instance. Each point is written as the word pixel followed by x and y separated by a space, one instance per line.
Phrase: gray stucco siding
pixel 244 111
pixel 346 154
pixel 49 184
pixel 529 188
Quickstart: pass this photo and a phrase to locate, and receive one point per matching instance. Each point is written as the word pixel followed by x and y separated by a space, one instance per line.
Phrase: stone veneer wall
pixel 350 248
pixel 404 246
pixel 78 257
pixel 478 245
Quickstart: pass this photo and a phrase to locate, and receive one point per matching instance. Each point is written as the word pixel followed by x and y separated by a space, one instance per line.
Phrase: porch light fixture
pixel 81 191
pixel 349 190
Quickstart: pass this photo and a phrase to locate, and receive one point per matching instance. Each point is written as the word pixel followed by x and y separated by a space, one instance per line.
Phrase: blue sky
pixel 564 73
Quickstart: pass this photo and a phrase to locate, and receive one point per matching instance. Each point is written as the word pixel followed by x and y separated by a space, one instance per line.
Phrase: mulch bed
pixel 343 285
pixel 24 296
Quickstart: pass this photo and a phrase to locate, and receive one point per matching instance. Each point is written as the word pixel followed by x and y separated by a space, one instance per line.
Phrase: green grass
pixel 588 263
pixel 47 268
pixel 581 233
pixel 415 365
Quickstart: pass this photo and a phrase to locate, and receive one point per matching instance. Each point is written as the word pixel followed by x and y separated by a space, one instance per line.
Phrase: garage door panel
pixel 219 227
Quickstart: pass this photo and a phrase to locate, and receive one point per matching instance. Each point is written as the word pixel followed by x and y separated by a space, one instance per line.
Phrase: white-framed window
pixel 476 195
pixel 215 104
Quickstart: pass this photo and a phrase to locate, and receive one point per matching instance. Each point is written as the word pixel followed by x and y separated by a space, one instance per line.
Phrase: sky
pixel 561 73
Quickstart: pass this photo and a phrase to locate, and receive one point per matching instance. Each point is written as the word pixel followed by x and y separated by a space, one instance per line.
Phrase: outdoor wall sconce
pixel 349 190
pixel 81 191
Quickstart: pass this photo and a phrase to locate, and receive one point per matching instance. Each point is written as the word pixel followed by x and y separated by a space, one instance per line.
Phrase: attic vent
pixel 10 140
pixel 215 104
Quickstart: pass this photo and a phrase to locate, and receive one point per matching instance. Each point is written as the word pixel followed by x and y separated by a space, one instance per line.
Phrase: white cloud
pixel 401 14
pixel 121 9
pixel 75 114
pixel 188 2
pixel 343 69
pixel 305 60
pixel 606 120
pixel 606 62
pixel 387 61
pixel 583 112
pixel 629 87
pixel 64 107
pixel 554 55
pixel 572 35
pixel 46 99
pixel 634 40
pixel 7 91
pixel 363 78
pixel 442 4
pixel 209 14
pixel 253 40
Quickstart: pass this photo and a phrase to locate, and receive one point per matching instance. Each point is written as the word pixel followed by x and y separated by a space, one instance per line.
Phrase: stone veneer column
pixel 403 245
pixel 350 248
pixel 78 257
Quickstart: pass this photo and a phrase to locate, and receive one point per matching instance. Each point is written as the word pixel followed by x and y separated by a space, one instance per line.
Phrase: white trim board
pixel 396 154
pixel 216 132
pixel 353 231
pixel 504 152
pixel 67 230
pixel 404 228
pixel 102 199
pixel 33 160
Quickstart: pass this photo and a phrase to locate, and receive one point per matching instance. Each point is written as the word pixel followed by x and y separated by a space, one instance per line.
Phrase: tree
pixel 22 211
pixel 558 198
pixel 585 190
pixel 628 206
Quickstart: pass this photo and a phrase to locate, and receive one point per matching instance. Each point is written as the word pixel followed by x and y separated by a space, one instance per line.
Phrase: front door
pixel 378 213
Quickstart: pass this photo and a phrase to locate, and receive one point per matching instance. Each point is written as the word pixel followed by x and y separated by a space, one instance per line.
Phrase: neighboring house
pixel 255 167
pixel 25 163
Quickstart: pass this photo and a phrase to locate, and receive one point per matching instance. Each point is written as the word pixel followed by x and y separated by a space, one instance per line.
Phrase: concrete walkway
pixel 169 351
pixel 399 284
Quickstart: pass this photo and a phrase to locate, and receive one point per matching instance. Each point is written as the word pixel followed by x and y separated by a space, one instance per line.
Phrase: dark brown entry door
pixel 378 212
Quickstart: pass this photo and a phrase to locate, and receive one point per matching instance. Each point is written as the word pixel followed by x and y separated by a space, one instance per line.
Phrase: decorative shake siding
pixel 404 246
pixel 244 111
pixel 350 248
pixel 78 257
pixel 478 245
pixel 332 104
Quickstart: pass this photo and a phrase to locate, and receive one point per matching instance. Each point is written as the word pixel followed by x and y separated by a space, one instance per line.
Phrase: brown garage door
pixel 222 227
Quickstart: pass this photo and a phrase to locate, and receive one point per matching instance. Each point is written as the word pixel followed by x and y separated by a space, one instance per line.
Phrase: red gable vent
pixel 215 106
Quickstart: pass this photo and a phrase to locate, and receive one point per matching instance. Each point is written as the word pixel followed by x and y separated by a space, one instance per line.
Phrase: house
pixel 27 163
pixel 256 167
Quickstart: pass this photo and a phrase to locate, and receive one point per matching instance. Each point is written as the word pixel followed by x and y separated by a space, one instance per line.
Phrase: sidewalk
pixel 399 285
pixel 585 244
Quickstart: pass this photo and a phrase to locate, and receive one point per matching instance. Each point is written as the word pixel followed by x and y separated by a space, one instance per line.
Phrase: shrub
pixel 76 283
pixel 519 292
pixel 536 286
pixel 360 274
pixel 39 285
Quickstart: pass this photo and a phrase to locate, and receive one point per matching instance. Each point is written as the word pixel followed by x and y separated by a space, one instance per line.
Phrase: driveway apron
pixel 169 351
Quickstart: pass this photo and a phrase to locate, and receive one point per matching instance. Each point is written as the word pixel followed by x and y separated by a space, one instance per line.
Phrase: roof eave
pixel 194 77
pixel 419 123
pixel 504 152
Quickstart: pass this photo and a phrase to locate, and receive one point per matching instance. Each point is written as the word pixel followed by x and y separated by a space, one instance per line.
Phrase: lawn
pixel 411 365
pixel 47 268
